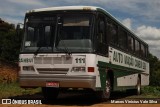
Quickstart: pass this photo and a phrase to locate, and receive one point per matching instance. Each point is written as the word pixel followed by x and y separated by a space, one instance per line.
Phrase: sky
pixel 141 16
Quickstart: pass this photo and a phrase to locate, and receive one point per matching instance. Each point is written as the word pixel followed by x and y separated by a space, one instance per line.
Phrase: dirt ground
pixel 78 100
pixel 96 105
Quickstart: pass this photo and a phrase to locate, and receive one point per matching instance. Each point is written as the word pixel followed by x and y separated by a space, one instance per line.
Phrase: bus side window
pixel 142 50
pixel 101 47
pixel 146 51
pixel 137 47
pixel 122 38
pixel 101 31
pixel 130 43
pixel 112 32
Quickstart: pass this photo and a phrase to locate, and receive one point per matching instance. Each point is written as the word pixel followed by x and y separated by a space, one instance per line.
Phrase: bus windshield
pixel 56 33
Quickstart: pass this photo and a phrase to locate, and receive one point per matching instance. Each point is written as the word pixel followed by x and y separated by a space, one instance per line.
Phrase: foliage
pixel 154 70
pixel 9 42
pixel 151 91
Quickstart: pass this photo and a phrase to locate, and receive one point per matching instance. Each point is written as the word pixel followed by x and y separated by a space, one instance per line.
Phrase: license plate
pixel 52 84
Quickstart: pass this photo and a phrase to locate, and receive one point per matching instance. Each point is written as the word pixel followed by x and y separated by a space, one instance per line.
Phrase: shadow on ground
pixel 72 98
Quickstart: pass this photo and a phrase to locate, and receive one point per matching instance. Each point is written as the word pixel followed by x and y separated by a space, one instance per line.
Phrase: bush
pixel 151 90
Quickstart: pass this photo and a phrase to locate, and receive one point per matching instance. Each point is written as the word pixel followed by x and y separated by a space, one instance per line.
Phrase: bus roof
pixel 64 8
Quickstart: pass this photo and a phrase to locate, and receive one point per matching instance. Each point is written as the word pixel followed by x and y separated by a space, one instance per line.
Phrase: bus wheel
pixel 138 90
pixel 105 94
pixel 50 93
pixel 107 91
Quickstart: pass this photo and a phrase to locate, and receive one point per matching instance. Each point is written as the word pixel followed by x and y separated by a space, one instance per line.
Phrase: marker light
pixel 90 69
pixel 28 68
pixel 78 69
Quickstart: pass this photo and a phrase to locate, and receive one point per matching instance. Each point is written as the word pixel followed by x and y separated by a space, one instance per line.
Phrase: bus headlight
pixel 28 68
pixel 78 69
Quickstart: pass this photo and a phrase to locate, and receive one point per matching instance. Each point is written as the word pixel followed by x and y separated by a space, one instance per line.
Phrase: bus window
pixel 142 50
pixel 76 27
pixel 101 36
pixel 30 38
pixel 146 51
pixel 130 43
pixel 137 47
pixel 101 31
pixel 112 32
pixel 122 38
pixel 48 35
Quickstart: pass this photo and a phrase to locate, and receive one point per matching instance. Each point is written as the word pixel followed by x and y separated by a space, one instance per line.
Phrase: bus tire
pixel 138 86
pixel 50 93
pixel 105 94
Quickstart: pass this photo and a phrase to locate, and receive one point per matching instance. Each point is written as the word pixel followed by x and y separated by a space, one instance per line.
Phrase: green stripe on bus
pixel 118 71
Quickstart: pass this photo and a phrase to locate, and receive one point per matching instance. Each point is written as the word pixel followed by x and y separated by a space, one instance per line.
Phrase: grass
pixel 148 92
pixel 13 89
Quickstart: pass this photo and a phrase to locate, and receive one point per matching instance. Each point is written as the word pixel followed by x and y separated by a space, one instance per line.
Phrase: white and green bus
pixel 80 47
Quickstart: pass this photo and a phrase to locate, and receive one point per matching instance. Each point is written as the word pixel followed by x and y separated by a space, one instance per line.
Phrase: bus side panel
pixel 144 79
pixel 145 76
pixel 130 80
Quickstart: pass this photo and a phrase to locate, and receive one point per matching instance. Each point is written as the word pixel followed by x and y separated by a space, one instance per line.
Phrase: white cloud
pixel 148 32
pixel 12 20
pixel 150 35
pixel 28 2
pixel 127 22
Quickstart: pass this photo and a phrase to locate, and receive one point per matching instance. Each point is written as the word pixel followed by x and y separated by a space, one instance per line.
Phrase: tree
pixel 154 70
pixel 9 42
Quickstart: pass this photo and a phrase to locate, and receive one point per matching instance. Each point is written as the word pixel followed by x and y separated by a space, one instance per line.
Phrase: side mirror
pixel 18 28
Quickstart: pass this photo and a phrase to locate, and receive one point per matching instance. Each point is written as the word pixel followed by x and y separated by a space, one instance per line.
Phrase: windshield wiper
pixel 36 52
pixel 66 50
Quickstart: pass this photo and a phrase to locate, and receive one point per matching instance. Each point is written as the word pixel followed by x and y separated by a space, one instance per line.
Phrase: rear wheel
pixel 138 90
pixel 50 93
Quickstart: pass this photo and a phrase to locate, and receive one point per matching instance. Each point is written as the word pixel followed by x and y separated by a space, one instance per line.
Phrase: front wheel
pixel 105 94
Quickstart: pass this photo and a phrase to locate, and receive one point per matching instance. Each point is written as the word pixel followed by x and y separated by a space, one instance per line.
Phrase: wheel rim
pixel 138 87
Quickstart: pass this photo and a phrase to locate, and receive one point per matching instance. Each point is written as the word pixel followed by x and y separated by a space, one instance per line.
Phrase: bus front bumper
pixel 31 81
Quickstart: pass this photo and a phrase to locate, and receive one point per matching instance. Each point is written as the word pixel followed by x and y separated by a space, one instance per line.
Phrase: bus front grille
pixel 52 70
pixel 52 60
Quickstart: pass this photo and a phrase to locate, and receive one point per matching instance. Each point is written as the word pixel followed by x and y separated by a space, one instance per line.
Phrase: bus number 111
pixel 80 60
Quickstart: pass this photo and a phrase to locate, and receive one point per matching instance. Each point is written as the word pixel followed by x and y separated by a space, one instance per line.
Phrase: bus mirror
pixel 18 28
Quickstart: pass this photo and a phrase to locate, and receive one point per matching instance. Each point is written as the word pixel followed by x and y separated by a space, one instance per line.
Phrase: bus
pixel 81 47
